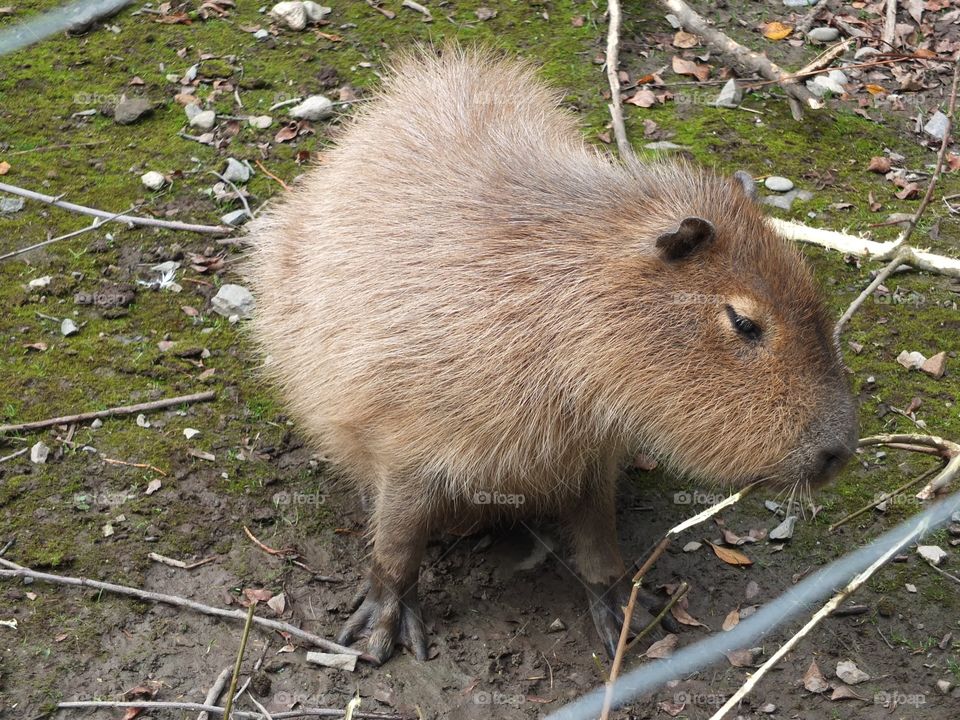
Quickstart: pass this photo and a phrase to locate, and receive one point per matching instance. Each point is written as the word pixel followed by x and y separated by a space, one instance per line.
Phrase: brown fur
pixel 466 298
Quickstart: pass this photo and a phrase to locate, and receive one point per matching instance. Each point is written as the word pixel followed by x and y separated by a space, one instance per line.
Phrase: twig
pixel 882 499
pixel 613 63
pixel 674 599
pixel 60 146
pixel 285 553
pixel 130 219
pixel 112 412
pixel 215 691
pixel 145 466
pixel 215 710
pixel 237 192
pixel 271 175
pixel 744 60
pixel 947 449
pixel 18 453
pixel 163 559
pixel 19 571
pixel 228 706
pixel 803 26
pixel 93 226
pixel 290 554
pixel 823 60
pixel 890 24
pixel 868 291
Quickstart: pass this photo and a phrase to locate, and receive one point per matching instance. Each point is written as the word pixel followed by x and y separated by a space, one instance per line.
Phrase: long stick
pixel 613 78
pixel 93 226
pixel 867 291
pixel 112 412
pixel 131 219
pixel 215 691
pixel 215 710
pixel 228 706
pixel 20 571
pixel 890 24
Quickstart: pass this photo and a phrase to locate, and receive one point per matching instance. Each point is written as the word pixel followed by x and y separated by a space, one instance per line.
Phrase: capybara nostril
pixel 830 461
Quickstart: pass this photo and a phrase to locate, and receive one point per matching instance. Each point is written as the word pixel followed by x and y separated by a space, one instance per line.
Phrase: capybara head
pixel 749 382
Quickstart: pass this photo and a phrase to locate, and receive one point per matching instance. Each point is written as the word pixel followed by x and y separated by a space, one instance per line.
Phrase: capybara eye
pixel 744 325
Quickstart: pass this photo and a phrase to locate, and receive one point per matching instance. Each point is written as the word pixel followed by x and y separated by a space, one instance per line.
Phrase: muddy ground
pixel 490 599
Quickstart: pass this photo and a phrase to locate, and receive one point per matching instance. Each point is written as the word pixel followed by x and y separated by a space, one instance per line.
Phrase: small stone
pixel 142 421
pixel 796 3
pixel 944 686
pixel 865 52
pixel 731 96
pixel 204 120
pixel 153 180
pixel 822 84
pixel 937 125
pixel 40 282
pixel 674 21
pixel 932 554
pixel 235 218
pixel 8 205
pixel 166 345
pixel 261 34
pixel 935 366
pixel 911 360
pixel 96 424
pixel 129 110
pixel 192 109
pixel 68 327
pixel 850 673
pixel 911 588
pixel 260 122
pixel 778 184
pixel 823 34
pixel 236 171
pixel 292 14
pixel 315 107
pixel 556 626
pixel 784 201
pixel 767 709
pixel 784 531
pixel 692 546
pixel 233 300
pixel 39 453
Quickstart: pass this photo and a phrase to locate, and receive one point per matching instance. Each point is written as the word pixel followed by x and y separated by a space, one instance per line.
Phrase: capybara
pixel 473 314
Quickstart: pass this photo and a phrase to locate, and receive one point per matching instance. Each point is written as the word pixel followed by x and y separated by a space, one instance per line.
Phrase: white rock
pixel 192 110
pixel 784 531
pixel 204 120
pixel 865 52
pixel 142 421
pixel 315 11
pixel 68 327
pixel 190 433
pixel 911 588
pixel 315 107
pixel 233 300
pixel 937 125
pixel 261 34
pixel 96 424
pixel 778 184
pixel 39 453
pixel 823 34
pixel 674 21
pixel 730 96
pixel 235 218
pixel 944 686
pixel 260 122
pixel 692 546
pixel 153 180
pixel 822 84
pixel 236 171
pixel 931 553
pixel 40 282
pixel 850 673
pixel 911 360
pixel 293 14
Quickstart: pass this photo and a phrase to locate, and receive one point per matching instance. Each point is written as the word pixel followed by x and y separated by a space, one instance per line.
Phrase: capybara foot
pixel 385 619
pixel 606 608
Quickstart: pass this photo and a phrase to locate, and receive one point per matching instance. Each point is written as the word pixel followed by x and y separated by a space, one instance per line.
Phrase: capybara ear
pixel 693 233
pixel 746 181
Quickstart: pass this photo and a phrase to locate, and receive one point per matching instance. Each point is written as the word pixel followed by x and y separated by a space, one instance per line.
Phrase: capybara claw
pixel 386 619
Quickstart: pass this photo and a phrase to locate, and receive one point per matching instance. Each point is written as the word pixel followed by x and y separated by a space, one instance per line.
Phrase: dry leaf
pixel 4 167
pixel 662 648
pixel 731 620
pixel 278 603
pixel 776 31
pixel 741 658
pixel 875 89
pixel 671 708
pixel 688 67
pixel 643 98
pixel 845 693
pixel 729 555
pixel 684 40
pixel 880 164
pixel 682 616
pixel 813 680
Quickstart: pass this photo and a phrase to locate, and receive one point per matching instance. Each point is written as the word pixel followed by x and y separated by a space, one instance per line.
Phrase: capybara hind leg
pixel 597 559
pixel 387 611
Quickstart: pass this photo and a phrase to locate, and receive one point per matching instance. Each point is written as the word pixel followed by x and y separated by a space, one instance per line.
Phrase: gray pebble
pixel 236 171
pixel 823 34
pixel 233 300
pixel 261 34
pixel 204 120
pixel 731 96
pixel 68 327
pixel 796 3
pixel 8 206
pixel 235 218
pixel 315 107
pixel 937 125
pixel 778 184
pixel 129 110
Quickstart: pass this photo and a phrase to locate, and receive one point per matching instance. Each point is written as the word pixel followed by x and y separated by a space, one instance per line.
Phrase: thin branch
pixel 883 498
pixel 215 691
pixel 314 640
pixel 93 226
pixel 677 596
pixel 890 24
pixel 228 706
pixel 130 219
pixel 237 192
pixel 868 291
pixel 613 77
pixel 215 710
pixel 18 453
pixel 112 412
pixel 270 175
